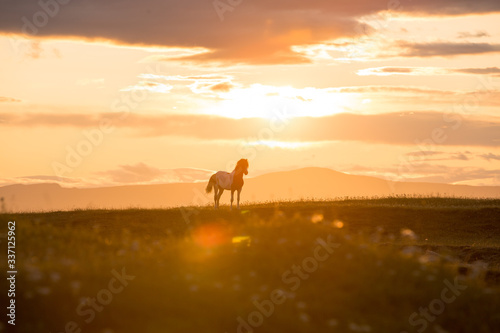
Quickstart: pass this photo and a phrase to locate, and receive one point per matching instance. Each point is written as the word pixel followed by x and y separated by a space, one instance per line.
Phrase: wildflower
pixel 301 305
pixel 338 224
pixel 359 328
pixel 304 317
pixel 34 274
pixel 44 290
pixel 332 322
pixel 429 257
pixel 410 250
pixel 54 276
pixel 75 286
pixel 282 240
pixel 241 239
pixel 315 218
pixel 134 246
pixel 409 234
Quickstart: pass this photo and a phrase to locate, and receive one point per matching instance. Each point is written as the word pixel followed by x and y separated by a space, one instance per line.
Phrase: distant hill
pixel 307 183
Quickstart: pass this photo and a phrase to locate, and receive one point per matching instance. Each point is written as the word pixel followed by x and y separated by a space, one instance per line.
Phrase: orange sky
pixel 96 93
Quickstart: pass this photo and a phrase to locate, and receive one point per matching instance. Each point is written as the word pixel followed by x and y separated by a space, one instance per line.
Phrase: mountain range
pixel 306 183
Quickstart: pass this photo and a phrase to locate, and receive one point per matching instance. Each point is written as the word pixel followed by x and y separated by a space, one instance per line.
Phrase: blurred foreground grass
pixel 267 268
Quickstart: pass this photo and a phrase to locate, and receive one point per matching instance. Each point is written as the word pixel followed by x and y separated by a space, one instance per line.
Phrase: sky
pixel 104 93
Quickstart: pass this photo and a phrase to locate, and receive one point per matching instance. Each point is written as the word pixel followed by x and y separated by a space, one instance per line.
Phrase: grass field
pixel 353 265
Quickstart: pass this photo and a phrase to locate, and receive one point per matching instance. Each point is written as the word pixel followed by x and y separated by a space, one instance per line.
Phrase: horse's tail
pixel 211 184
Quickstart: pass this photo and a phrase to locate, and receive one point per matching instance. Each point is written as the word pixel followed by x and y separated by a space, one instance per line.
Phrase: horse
pixel 233 181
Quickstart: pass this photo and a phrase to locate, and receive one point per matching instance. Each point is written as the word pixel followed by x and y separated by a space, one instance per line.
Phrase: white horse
pixel 233 181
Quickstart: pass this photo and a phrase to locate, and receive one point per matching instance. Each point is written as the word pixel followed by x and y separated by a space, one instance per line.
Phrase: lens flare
pixel 210 236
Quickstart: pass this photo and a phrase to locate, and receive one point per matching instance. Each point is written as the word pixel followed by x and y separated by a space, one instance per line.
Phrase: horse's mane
pixel 243 163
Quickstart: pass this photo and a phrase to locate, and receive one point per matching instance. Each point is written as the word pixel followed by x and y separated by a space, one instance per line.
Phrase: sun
pixel 269 102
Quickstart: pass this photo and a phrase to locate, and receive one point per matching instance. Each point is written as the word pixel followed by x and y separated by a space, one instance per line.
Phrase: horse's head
pixel 242 165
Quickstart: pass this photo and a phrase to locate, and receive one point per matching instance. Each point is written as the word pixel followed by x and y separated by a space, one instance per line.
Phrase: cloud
pixel 257 31
pixel 222 87
pixel 199 84
pixel 139 173
pixel 142 173
pixel 445 174
pixel 425 155
pixel 477 34
pixel 483 95
pixel 394 89
pixel 433 173
pixel 150 86
pixel 206 78
pixel 490 156
pixel 396 69
pixel 443 49
pixel 461 157
pixel 4 99
pixel 481 71
pixel 41 179
pixel 54 119
pixel 410 128
pixel 35 50
pixel 133 173
pixel 385 71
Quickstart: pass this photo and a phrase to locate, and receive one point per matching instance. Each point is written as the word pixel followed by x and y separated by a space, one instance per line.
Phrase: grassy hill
pixel 360 265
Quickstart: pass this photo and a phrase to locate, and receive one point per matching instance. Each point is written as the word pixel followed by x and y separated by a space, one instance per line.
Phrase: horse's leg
pixel 221 190
pixel 232 198
pixel 215 196
pixel 238 199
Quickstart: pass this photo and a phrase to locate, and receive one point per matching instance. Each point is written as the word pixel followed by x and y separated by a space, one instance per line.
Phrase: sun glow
pixel 281 144
pixel 285 102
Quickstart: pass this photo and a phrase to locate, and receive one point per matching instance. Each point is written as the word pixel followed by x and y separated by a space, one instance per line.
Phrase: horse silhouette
pixel 233 181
